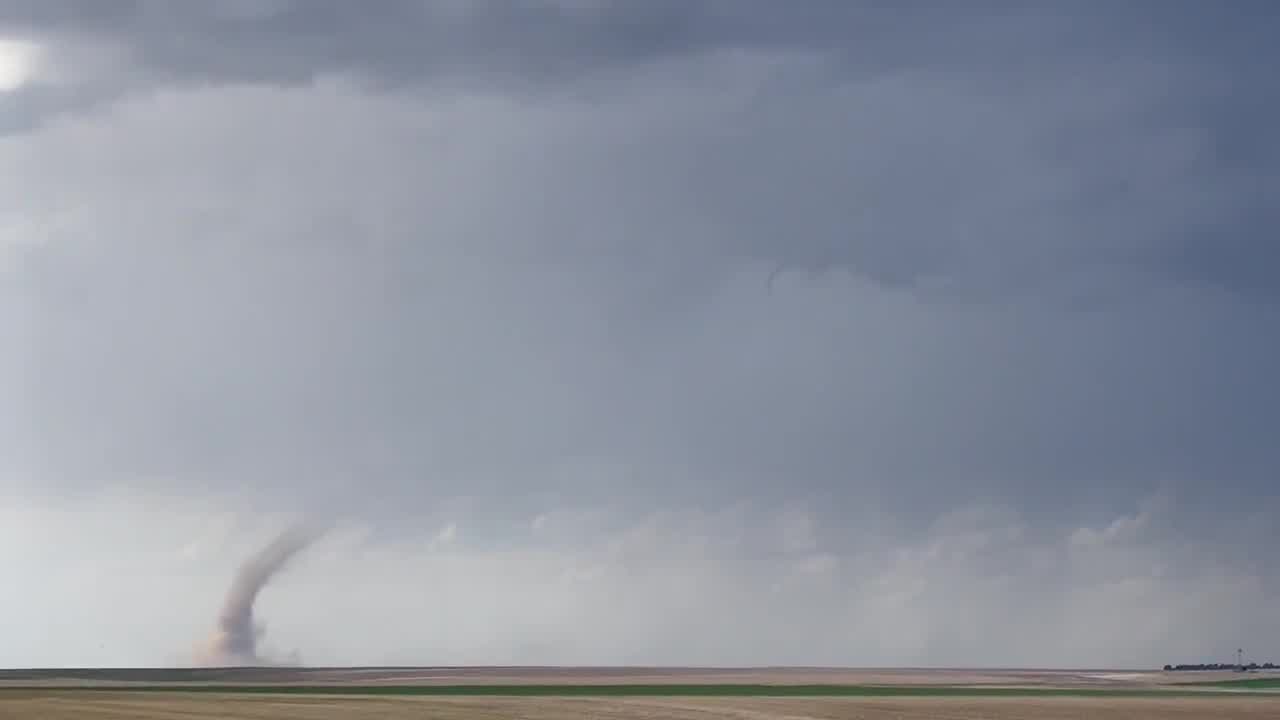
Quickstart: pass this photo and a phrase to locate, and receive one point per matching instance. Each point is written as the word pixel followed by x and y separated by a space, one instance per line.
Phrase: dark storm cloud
pixel 406 41
pixel 1160 111
pixel 397 42
pixel 388 308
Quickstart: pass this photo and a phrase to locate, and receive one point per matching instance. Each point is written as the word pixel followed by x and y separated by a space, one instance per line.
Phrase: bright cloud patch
pixel 18 61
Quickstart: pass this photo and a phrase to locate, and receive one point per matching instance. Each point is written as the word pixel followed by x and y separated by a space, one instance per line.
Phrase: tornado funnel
pixel 235 639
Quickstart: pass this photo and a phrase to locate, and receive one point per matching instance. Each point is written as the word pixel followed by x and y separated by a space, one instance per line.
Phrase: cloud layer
pixel 937 337
pixel 745 585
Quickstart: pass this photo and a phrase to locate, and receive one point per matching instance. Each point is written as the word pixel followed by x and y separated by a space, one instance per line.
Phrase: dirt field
pixel 64 705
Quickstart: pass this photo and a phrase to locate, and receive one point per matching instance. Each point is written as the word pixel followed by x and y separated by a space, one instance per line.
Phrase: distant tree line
pixel 1223 666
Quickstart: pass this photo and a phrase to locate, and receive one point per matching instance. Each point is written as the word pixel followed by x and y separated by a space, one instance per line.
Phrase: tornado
pixel 235 639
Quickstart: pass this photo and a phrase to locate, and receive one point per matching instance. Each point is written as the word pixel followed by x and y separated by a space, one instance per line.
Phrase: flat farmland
pixel 628 693
pixel 51 704
pixel 619 676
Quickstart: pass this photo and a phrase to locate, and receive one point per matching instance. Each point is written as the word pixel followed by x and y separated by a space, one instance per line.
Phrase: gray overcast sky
pixel 672 332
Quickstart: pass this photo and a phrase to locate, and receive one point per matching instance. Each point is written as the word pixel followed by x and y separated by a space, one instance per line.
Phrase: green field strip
pixel 1247 683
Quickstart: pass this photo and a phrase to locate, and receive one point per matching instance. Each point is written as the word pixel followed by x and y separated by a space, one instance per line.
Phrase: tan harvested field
pixel 69 705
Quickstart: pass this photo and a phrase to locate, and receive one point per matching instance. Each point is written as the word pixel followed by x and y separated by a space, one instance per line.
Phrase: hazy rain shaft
pixel 235 641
